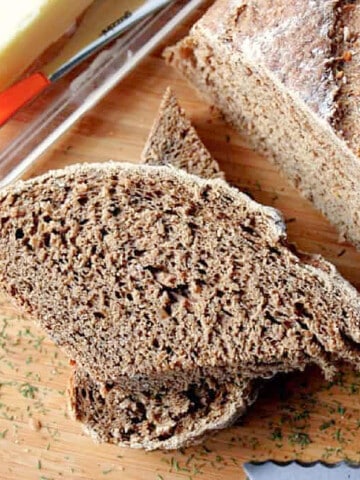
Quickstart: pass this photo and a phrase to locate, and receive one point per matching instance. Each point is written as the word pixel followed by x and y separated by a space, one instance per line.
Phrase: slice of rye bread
pixel 165 418
pixel 174 141
pixel 286 74
pixel 162 418
pixel 158 278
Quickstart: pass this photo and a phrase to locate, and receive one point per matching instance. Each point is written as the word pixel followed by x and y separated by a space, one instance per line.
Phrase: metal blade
pixel 298 471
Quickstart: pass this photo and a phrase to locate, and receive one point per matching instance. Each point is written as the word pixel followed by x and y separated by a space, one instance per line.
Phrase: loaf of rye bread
pixel 162 418
pixel 286 74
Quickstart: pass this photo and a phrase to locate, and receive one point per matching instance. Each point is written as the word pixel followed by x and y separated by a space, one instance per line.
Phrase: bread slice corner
pixel 174 141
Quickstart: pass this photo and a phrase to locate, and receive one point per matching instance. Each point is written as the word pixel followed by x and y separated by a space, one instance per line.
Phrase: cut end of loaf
pixel 286 77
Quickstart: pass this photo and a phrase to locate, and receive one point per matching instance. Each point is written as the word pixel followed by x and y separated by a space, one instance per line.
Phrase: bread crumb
pixel 346 34
pixel 347 57
pixel 339 74
pixel 35 424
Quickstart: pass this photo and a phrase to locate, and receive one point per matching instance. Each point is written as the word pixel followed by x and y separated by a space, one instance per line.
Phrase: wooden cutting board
pixel 300 417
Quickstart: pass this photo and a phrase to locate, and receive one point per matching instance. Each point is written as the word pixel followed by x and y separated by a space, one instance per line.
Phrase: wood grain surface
pixel 297 417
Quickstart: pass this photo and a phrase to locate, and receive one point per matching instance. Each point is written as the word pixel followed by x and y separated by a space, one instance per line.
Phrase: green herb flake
pixel 3 433
pixel 300 438
pixel 301 415
pixel 338 436
pixel 106 472
pixel 159 477
pixel 341 410
pixel 354 388
pixel 196 471
pixel 276 434
pixel 39 465
pixel 27 390
pixel 175 464
pixel 254 443
pixel 206 449
pixel 326 425
pixel 4 327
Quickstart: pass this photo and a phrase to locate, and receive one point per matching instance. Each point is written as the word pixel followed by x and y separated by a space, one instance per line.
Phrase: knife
pixel 301 471
pixel 15 97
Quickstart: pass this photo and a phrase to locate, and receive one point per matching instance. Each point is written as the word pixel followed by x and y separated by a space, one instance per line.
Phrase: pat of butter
pixel 28 28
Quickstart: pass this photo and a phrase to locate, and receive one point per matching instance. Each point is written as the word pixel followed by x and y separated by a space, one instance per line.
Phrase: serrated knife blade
pixel 301 471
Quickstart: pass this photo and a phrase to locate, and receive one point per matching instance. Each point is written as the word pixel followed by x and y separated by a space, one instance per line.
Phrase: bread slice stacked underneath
pixel 169 291
pixel 286 74
pixel 165 418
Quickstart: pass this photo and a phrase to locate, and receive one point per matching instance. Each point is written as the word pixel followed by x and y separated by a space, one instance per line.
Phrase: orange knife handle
pixel 12 99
